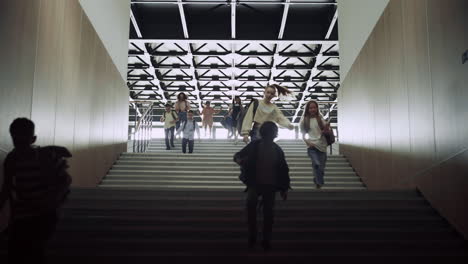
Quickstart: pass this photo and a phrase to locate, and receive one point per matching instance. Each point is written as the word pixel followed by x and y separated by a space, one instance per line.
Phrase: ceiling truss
pixel 216 70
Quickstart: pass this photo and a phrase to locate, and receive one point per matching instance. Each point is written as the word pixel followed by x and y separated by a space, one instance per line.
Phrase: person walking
pixel 234 112
pixel 207 113
pixel 182 106
pixel 169 117
pixel 265 172
pixel 36 185
pixel 261 111
pixel 189 127
pixel 312 127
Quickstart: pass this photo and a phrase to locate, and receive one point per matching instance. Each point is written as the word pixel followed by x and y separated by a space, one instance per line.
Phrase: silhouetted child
pixel 36 184
pixel 189 128
pixel 264 171
pixel 169 118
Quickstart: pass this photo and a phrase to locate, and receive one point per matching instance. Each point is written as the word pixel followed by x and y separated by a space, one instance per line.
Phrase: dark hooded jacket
pixel 248 158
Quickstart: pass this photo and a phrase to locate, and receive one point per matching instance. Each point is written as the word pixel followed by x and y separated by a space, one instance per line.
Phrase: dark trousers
pixel 190 145
pixel 268 195
pixel 169 132
pixel 27 238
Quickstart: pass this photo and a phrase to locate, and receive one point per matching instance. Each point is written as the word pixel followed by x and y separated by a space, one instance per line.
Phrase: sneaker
pixel 168 148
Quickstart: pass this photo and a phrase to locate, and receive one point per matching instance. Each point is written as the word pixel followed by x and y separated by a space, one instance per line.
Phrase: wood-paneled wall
pixel 403 105
pixel 56 71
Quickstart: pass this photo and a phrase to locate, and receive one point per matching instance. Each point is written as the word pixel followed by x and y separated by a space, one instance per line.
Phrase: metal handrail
pixel 143 130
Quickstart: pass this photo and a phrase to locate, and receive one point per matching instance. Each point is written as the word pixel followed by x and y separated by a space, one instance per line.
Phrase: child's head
pixel 22 132
pixel 237 100
pixel 207 103
pixel 269 130
pixel 190 114
pixel 311 109
pixel 168 107
pixel 181 97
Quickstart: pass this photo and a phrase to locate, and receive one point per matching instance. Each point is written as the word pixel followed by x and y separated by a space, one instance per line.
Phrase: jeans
pixel 319 160
pixel 182 117
pixel 190 145
pixel 268 195
pixel 169 132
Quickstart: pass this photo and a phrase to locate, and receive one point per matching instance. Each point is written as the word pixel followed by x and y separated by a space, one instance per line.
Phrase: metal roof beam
pixel 135 24
pixel 233 19
pixel 240 2
pixel 233 41
pixel 283 20
pixel 314 70
pixel 182 18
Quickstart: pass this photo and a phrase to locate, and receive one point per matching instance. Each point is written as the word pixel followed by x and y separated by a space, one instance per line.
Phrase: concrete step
pixel 297 179
pixel 226 167
pixel 232 173
pixel 214 156
pixel 139 194
pixel 216 187
pixel 222 183
pixel 208 162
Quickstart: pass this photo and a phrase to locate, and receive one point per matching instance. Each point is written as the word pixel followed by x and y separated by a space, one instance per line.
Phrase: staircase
pixel 118 223
pixel 166 204
pixel 211 167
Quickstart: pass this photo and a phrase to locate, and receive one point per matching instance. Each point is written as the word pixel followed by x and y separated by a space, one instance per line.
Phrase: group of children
pixel 181 120
pixel 187 127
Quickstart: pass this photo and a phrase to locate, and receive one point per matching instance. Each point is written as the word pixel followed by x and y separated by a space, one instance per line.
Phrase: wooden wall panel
pixel 398 94
pixel 18 28
pixel 381 108
pixel 445 51
pixel 418 78
pixel 66 84
pixel 410 71
pixel 86 72
pixel 68 88
pixel 48 69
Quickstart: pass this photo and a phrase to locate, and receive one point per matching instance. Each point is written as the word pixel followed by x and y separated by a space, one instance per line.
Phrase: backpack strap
pixel 255 108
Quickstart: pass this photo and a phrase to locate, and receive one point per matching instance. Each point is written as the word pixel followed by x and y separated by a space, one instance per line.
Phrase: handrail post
pixel 134 128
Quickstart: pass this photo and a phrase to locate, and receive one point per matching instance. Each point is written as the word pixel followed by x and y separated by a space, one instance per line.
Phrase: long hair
pixel 234 100
pixel 281 90
pixel 181 99
pixel 307 116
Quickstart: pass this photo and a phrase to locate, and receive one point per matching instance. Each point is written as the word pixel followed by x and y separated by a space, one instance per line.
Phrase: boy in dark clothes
pixel 264 171
pixel 36 184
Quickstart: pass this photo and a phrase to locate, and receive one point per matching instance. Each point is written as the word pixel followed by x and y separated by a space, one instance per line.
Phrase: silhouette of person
pixel 265 171
pixel 36 184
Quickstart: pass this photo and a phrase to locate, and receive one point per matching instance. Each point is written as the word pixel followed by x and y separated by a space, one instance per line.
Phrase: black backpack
pixel 55 166
pixel 240 120
pixel 51 166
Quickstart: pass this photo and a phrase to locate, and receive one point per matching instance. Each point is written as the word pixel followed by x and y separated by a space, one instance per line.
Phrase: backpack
pixel 242 114
pixel 172 113
pixel 185 123
pixel 54 167
pixel 50 166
